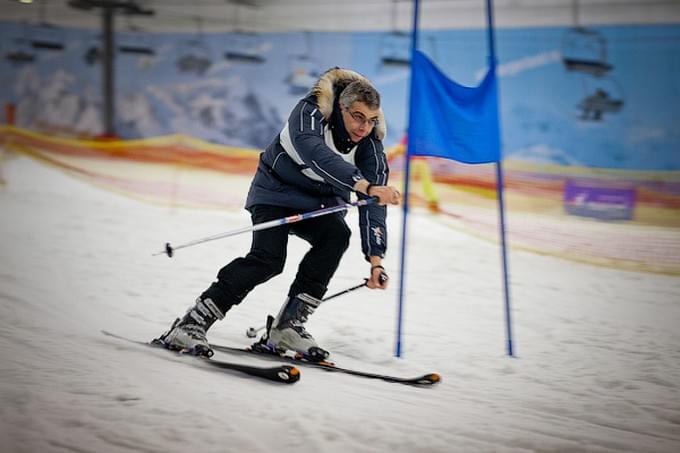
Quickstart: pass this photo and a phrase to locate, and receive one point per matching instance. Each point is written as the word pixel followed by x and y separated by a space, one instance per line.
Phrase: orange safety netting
pixel 175 169
pixel 180 170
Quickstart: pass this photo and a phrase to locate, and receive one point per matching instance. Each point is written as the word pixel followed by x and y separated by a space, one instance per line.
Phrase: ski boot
pixel 287 332
pixel 188 334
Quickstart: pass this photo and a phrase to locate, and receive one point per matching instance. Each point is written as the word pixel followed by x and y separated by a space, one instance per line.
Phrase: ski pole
pixel 169 249
pixel 252 331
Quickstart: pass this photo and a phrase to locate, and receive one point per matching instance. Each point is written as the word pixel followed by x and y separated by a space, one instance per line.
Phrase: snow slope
pixel 597 366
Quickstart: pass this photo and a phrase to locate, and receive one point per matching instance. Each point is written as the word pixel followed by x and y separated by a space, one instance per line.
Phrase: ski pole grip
pixel 383 275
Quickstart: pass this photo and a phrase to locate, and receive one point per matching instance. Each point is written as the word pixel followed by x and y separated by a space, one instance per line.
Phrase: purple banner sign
pixel 598 200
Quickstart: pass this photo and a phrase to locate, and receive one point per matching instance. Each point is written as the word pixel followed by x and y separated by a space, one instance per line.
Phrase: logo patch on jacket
pixel 377 235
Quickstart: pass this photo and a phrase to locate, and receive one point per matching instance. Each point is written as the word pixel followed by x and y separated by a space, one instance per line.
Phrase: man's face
pixel 359 120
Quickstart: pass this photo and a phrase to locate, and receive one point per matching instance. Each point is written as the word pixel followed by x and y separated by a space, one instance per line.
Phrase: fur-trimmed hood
pixel 325 89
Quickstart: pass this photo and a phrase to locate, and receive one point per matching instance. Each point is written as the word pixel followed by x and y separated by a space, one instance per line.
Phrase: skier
pixel 330 146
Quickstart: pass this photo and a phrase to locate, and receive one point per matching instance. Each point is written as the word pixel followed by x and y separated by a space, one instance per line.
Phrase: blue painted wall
pixel 188 87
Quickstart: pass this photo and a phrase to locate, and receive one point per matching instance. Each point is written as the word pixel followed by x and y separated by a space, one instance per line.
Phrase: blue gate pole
pixel 499 190
pixel 407 175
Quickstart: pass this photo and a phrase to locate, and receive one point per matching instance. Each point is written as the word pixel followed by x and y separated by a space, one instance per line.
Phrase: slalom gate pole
pixel 252 331
pixel 170 250
pixel 499 191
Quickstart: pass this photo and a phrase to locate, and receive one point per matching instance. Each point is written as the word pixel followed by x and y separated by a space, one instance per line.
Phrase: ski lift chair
pixel 195 57
pixel 304 69
pixel 585 50
pixel 395 50
pixel 244 48
pixel 136 50
pixel 21 53
pixel 303 75
pixel 47 37
pixel 137 44
pixel 594 106
pixel 19 57
pixel 93 50
pixel 135 47
pixel 607 97
pixel 135 41
pixel 93 55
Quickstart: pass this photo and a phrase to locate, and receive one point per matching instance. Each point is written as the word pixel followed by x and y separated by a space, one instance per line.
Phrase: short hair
pixel 360 91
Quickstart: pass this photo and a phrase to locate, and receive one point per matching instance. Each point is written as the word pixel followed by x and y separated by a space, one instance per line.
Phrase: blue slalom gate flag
pixel 450 120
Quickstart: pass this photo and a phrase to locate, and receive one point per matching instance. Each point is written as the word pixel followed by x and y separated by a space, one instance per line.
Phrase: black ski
pixel 283 373
pixel 424 380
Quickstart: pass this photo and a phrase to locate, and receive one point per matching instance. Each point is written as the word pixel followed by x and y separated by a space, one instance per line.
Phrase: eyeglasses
pixel 361 118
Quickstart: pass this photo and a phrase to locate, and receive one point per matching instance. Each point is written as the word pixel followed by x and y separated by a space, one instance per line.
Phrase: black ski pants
pixel 328 236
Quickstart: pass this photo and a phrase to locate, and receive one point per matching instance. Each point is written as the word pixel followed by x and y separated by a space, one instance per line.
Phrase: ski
pixel 295 358
pixel 282 373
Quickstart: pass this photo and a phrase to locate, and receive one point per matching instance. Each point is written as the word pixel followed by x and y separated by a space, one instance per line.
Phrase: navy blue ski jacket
pixel 303 168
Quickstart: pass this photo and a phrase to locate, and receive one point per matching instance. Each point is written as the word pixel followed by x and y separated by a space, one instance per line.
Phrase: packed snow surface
pixel 596 366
